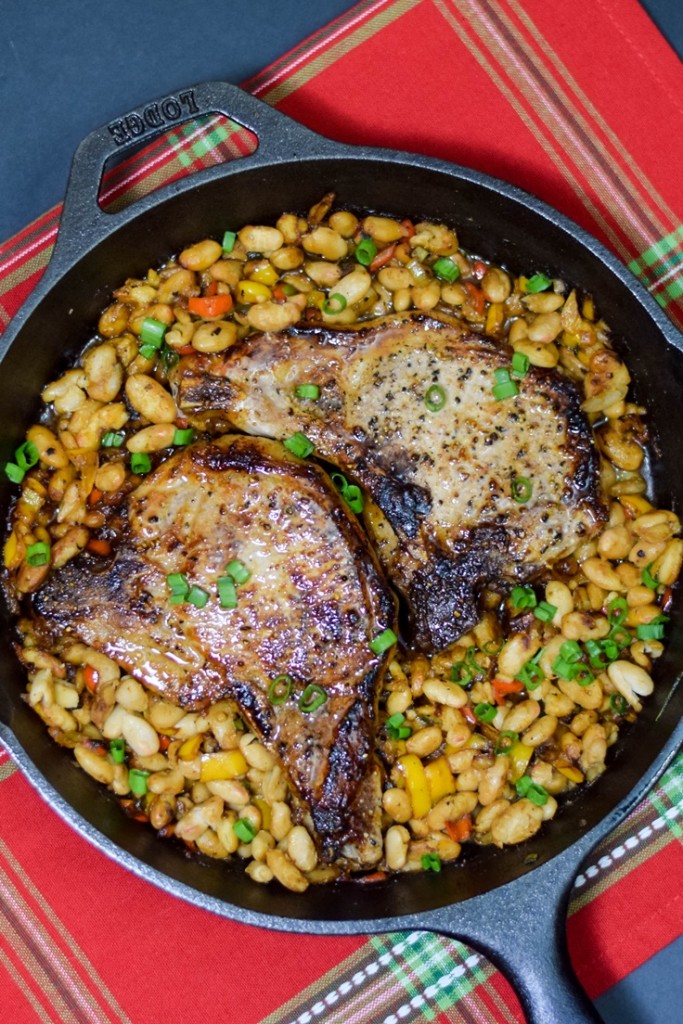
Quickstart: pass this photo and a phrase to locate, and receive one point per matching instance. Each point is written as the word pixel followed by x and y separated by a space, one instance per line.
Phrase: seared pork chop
pixel 407 410
pixel 313 602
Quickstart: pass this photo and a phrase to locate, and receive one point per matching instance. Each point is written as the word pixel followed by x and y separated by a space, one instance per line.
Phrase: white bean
pixel 139 735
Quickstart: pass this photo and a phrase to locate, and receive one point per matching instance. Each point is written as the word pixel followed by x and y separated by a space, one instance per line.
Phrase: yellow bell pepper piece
pixel 249 292
pixel 520 755
pixel 494 318
pixel 190 748
pixel 417 786
pixel 226 764
pixel 11 551
pixel 264 808
pixel 569 771
pixel 439 778
pixel 265 273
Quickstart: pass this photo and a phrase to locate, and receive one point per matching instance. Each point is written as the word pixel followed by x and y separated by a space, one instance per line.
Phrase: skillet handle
pixel 523 932
pixel 84 223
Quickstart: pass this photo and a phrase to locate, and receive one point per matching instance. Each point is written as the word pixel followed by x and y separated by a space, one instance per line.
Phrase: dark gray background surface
pixel 66 67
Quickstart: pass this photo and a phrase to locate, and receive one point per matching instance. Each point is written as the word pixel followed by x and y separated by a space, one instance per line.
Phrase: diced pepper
pixel 417 785
pixel 210 305
pixel 476 296
pixel 265 273
pixel 99 546
pixel 502 687
pixel 494 318
pixel 439 778
pixel 460 830
pixel 226 764
pixel 520 755
pixel 479 268
pixel 190 748
pixel 383 257
pixel 249 292
pixel 91 678
pixel 11 550
pixel 94 496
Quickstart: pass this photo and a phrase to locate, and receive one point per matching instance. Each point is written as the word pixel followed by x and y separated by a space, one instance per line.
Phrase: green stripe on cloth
pixel 660 267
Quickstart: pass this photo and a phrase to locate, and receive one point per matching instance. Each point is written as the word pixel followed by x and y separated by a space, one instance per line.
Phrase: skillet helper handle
pixel 521 928
pixel 84 223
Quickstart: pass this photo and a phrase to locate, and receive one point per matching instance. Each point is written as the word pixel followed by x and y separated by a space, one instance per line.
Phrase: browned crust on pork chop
pixel 442 516
pixel 312 605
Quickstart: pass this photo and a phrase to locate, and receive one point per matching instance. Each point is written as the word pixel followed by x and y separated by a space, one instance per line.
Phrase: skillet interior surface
pixel 499 224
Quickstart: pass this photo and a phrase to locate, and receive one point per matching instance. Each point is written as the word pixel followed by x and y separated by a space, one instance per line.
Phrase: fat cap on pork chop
pixel 314 601
pixel 442 516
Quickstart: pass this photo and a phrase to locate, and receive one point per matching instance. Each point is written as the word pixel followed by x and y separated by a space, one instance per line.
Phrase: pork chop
pixel 312 604
pixel 406 409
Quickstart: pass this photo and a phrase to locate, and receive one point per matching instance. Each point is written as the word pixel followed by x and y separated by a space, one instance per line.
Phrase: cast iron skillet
pixel 510 904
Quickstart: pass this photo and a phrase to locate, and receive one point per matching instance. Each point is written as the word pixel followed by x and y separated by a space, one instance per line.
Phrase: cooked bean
pixel 162 811
pixel 516 652
pixel 50 451
pixel 326 242
pixel 354 286
pixel 543 302
pixel 286 872
pixel 113 321
pixel 493 780
pixel 540 731
pixel 139 735
pixel 70 545
pixel 396 841
pixel 667 567
pixel 451 695
pixel 152 439
pixel 426 296
pixel 600 572
pixel 280 820
pixel 103 371
pixel 150 399
pixel 425 741
pixel 585 696
pixel 273 316
pixel 544 328
pixel 539 353
pixel 179 283
pixel 522 715
pixel 301 849
pixel 496 285
pixel 518 822
pixel 260 844
pixel 131 695
pixel 396 803
pixel 451 808
pixel 383 230
pixel 632 681
pixel 170 781
pixel 201 255
pixel 593 747
pixel 585 626
pixel 91 762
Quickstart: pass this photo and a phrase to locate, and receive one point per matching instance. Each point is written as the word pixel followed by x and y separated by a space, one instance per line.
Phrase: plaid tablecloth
pixel 582 105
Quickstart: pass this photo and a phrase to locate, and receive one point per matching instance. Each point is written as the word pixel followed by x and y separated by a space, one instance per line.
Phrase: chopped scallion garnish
pixel 311 391
pixel 523 597
pixel 520 364
pixel 617 610
pixel 618 704
pixel 14 473
pixel 227 594
pixel 531 674
pixel 545 611
pixel 300 445
pixel 396 728
pixel 335 303
pixel 526 787
pixel 179 587
pixel 647 579
pixel 229 239
pixel 312 698
pixel 182 436
pixel 485 712
pixel 117 749
pixel 198 597
pixel 430 862
pixel 244 829
pixel 351 493
pixel 38 553
pixel 140 463
pixel 521 489
pixel 383 641
pixel 112 439
pixel 461 673
pixel 506 740
pixel 366 250
pixel 238 571
pixel 504 386
pixel 652 630
pixel 280 689
pixel 137 780
pixel 152 332
pixel 26 455
pixel 538 283
pixel 446 269
pixel 435 398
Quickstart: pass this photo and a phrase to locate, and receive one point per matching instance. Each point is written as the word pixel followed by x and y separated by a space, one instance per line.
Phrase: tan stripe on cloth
pixel 47 955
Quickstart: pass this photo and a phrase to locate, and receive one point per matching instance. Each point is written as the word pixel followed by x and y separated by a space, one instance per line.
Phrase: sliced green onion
pixel 521 489
pixel 506 740
pixel 520 364
pixel 335 303
pixel 526 787
pixel 617 610
pixel 383 641
pixel 538 283
pixel 620 636
pixel 435 398
pixel 179 587
pixel 198 597
pixel 563 669
pixel 618 704
pixel 300 445
pixel 27 455
pixel 446 269
pixel 112 439
pixel 582 675
pixel 152 332
pixel 523 597
pixel 610 649
pixel 117 749
pixel 14 473
pixel 461 673
pixel 492 647
pixel 596 654
pixel 430 862
pixel 396 729
pixel 647 579
pixel 137 780
pixel 244 829
pixel 312 698
pixel 652 630
pixel 571 651
pixel 182 436
pixel 228 243
pixel 311 391
pixel 227 594
pixel 280 689
pixel 148 351
pixel 140 463
pixel 354 498
pixel 508 389
pixel 501 375
pixel 471 659
pixel 485 712
pixel 545 611
pixel 169 357
pixel 531 674
pixel 366 250
pixel 238 571
pixel 38 553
